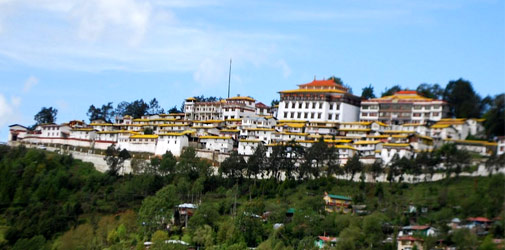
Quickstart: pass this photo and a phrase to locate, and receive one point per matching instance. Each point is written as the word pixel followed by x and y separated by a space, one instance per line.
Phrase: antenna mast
pixel 229 80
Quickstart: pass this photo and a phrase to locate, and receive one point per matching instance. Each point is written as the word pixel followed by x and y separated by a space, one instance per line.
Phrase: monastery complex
pixel 402 124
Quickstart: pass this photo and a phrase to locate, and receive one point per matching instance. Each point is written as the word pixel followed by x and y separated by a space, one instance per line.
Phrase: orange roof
pixel 322 83
pixel 404 96
pixel 319 83
pixel 407 92
pixel 409 238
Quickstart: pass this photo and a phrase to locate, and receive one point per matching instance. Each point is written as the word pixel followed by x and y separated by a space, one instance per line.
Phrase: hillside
pixel 51 201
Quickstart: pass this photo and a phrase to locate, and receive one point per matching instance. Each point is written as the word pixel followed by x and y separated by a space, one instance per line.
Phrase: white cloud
pixel 9 112
pixel 211 72
pixel 30 83
pixel 96 17
pixel 132 35
pixel 286 70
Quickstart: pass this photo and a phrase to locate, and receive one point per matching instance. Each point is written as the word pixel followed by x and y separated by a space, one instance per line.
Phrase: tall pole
pixel 229 80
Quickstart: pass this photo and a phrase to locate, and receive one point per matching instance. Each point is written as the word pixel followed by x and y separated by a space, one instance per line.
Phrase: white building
pixel 389 150
pixel 403 107
pixel 173 142
pixel 230 108
pixel 501 145
pixel 247 146
pixel 221 144
pixel 319 100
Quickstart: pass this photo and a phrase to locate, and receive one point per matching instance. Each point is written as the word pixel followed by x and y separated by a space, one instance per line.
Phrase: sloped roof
pixel 340 197
pixel 403 96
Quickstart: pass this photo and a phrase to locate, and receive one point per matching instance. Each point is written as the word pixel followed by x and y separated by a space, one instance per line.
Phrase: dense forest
pixel 52 201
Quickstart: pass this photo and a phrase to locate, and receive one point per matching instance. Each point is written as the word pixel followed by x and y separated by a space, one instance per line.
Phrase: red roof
pixel 409 238
pixel 323 83
pixel 261 105
pixel 478 219
pixel 419 227
pixel 327 239
pixel 407 92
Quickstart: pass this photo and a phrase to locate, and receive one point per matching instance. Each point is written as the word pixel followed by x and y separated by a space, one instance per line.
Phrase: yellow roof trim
pixel 250 140
pixel 144 137
pixel 366 142
pixel 312 91
pixel 396 145
pixel 214 137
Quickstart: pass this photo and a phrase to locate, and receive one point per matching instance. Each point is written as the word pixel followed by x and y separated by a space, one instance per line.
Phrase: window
pixel 364 114
pixel 330 116
pixel 331 106
pixel 292 114
pixel 306 115
pixel 312 115
pixel 320 105
pixel 318 115
pixel 293 105
pixel 299 115
pixel 313 105
pixel 300 105
pixel 306 105
pixel 338 106
pixel 286 105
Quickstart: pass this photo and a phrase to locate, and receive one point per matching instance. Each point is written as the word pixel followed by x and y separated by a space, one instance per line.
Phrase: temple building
pixel 403 107
pixel 319 101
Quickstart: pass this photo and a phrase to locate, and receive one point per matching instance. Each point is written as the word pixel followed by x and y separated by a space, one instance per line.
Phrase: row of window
pixel 306 115
pixel 309 104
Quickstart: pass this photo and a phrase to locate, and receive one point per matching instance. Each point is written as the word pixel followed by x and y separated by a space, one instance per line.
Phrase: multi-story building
pixel 320 101
pixel 231 108
pixel 403 107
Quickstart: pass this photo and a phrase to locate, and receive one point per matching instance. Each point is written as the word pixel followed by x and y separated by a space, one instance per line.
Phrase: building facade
pixel 403 107
pixel 319 101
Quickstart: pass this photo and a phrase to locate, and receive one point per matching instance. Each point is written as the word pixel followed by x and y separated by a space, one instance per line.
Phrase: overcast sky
pixel 70 54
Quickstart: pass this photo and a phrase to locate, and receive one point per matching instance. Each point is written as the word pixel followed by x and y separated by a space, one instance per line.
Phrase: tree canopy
pixel 462 100
pixel 367 92
pixel 391 91
pixel 46 115
pixel 105 113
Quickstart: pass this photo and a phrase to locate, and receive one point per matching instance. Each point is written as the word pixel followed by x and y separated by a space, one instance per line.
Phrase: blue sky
pixel 70 54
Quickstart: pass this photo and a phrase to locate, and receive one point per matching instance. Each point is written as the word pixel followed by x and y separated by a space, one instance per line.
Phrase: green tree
pixel 154 107
pixel 136 109
pixel 115 158
pixel 488 244
pixel 204 236
pixel 337 80
pixel 157 210
pixel 314 159
pixel 105 113
pixel 454 159
pixel 376 169
pixel 367 92
pixel 462 100
pixel 391 91
pixel 168 163
pixel 274 102
pixel 495 117
pixel 372 228
pixel 148 131
pixel 464 239
pixel 174 110
pixel 35 243
pixel 433 91
pixel 233 167
pixel 46 115
pixel 352 166
pixel 256 163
